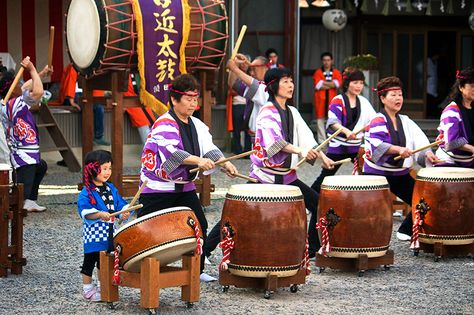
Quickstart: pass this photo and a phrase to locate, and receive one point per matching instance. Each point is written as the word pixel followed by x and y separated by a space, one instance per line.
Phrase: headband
pixel 269 83
pixel 88 168
pixel 393 88
pixel 459 76
pixel 187 93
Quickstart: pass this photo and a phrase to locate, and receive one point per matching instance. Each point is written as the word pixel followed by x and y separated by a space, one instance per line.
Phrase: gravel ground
pixel 51 284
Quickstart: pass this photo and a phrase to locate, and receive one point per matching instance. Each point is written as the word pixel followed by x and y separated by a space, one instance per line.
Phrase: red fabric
pixel 319 97
pixel 130 89
pixel 138 117
pixel 28 38
pixel 3 26
pixel 56 20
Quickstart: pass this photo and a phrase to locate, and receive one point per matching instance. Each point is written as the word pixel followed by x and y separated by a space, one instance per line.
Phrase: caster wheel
pixel 437 258
pixel 189 305
pixel 110 305
pixel 294 288
pixel 415 253
pixel 321 269
pixel 386 267
pixel 361 273
pixel 225 288
pixel 152 311
pixel 267 295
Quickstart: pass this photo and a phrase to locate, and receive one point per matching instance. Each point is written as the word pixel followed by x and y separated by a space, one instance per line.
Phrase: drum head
pixel 446 174
pixel 5 167
pixel 351 182
pixel 264 190
pixel 83 32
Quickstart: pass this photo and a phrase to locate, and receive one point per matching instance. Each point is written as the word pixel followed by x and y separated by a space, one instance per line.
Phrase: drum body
pixel 5 174
pixel 449 192
pixel 166 235
pixel 269 226
pixel 101 35
pixel 359 211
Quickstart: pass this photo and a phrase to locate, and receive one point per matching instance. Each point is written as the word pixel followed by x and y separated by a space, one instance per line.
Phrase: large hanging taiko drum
pixel 358 212
pixel 268 225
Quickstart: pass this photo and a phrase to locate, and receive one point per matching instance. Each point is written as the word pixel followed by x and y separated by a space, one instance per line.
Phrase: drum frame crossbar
pixel 202 61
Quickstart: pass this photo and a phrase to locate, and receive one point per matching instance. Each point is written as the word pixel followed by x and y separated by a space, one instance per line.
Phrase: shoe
pixel 403 237
pixel 207 261
pixel 92 295
pixel 397 214
pixel 101 141
pixel 32 206
pixel 206 278
pixel 61 163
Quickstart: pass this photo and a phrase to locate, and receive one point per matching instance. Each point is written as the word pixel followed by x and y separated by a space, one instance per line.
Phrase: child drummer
pixel 97 200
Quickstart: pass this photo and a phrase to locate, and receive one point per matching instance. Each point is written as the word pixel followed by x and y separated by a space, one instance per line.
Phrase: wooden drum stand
pixel 11 220
pixel 151 278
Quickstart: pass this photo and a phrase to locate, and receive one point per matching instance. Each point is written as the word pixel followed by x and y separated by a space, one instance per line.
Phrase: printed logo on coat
pixel 23 131
pixel 258 148
pixel 149 159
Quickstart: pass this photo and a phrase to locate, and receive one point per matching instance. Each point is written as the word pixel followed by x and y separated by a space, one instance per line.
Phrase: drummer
pixel 281 136
pixel 351 111
pixel 391 134
pixel 177 143
pixel 456 126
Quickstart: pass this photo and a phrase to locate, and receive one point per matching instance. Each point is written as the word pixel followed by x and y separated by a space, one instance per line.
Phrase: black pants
pixel 325 172
pixel 159 201
pixel 90 261
pixel 402 187
pixel 31 176
pixel 311 203
pixel 238 123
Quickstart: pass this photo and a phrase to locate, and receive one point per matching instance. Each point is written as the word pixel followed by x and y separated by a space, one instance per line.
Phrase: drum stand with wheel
pixel 151 278
pixel 269 284
pixel 440 250
pixel 359 264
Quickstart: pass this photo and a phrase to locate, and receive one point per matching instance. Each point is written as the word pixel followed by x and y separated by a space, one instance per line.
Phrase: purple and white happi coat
pixel 453 131
pixel 21 132
pixel 338 114
pixel 269 160
pixel 378 140
pixel 164 153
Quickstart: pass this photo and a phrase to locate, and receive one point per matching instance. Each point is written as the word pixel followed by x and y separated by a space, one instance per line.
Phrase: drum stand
pixel 441 250
pixel 11 220
pixel 270 284
pixel 151 278
pixel 360 264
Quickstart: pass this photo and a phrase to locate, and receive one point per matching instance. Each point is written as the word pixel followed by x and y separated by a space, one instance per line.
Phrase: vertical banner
pixel 162 30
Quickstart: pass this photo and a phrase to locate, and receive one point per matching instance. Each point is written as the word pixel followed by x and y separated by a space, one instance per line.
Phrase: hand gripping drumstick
pixel 322 145
pixel 51 45
pixel 361 129
pixel 238 42
pixel 126 210
pixel 422 148
pixel 342 161
pixel 235 157
pixel 12 87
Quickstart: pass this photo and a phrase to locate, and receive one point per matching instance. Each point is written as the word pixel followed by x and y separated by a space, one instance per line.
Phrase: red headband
pixel 187 93
pixel 459 76
pixel 88 168
pixel 394 88
pixel 268 84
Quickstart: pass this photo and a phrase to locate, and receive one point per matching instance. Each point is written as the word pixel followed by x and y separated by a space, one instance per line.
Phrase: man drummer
pixel 177 143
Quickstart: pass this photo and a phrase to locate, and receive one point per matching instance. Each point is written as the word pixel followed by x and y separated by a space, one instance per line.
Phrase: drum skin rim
pixel 264 198
pixel 446 174
pixel 355 188
pixel 256 190
pixel 263 271
pixel 149 217
pixel 352 182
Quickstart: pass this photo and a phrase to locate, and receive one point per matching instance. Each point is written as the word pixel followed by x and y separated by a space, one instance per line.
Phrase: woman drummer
pixel 281 136
pixel 391 134
pixel 351 111
pixel 456 126
pixel 177 143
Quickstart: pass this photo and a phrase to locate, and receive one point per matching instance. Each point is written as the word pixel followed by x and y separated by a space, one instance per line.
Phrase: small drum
pixel 101 35
pixel 5 170
pixel 358 210
pixel 166 235
pixel 268 224
pixel 443 196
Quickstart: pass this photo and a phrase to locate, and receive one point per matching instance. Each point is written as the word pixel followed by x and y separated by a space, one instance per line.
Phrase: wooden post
pixel 149 283
pixel 87 118
pixel 205 195
pixel 17 230
pixel 4 208
pixel 108 291
pixel 191 292
pixel 117 133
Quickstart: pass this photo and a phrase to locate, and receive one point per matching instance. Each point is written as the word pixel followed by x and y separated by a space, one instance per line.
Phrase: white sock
pixel 88 287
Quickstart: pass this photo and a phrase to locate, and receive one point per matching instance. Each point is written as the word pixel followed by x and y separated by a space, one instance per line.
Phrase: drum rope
pixel 116 277
pixel 197 233
pixel 305 262
pixel 415 244
pixel 355 167
pixel 325 246
pixel 227 245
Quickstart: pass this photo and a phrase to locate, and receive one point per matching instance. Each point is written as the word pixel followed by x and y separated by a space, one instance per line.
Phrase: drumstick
pixel 238 42
pixel 440 161
pixel 342 161
pixel 51 44
pixel 360 130
pixel 235 157
pixel 12 87
pixel 322 145
pixel 422 148
pixel 250 179
pixel 135 198
pixel 126 210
